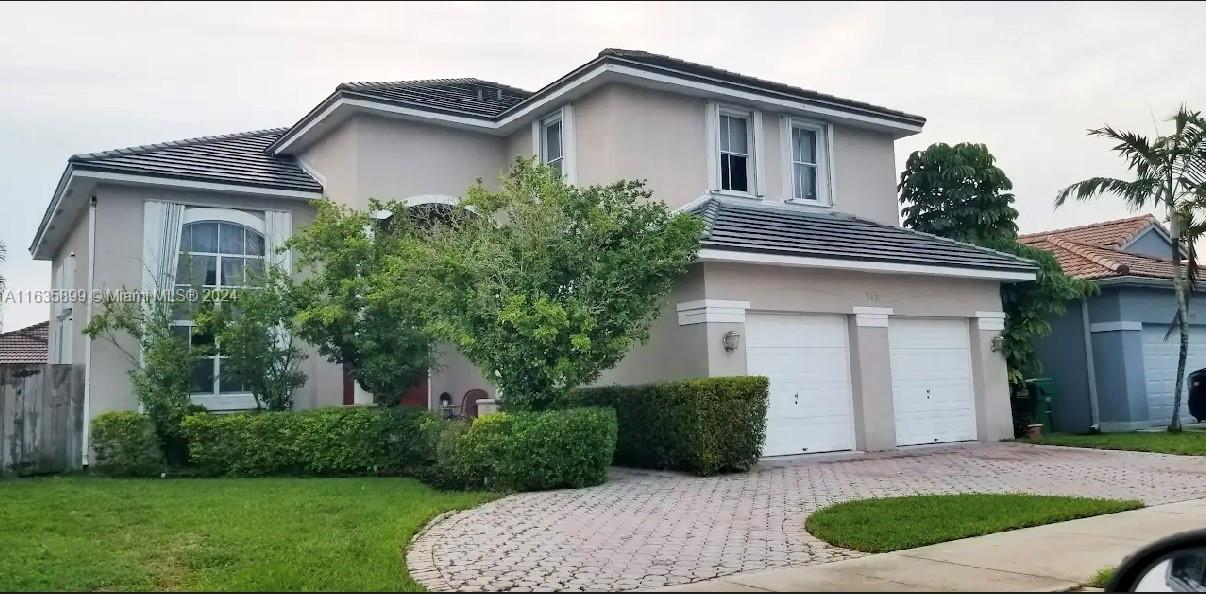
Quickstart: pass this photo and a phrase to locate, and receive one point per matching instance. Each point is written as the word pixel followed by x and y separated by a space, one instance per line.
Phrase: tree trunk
pixel 1180 289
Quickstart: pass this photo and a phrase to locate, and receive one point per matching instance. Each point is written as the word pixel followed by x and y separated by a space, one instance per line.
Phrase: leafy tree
pixel 958 192
pixel 346 305
pixel 160 368
pixel 251 329
pixel 549 284
pixel 1168 171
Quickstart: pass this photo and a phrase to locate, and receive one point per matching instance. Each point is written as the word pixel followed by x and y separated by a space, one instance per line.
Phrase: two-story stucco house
pixel 873 336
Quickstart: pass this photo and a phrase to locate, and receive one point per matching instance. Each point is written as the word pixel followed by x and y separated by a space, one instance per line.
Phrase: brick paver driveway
pixel 649 529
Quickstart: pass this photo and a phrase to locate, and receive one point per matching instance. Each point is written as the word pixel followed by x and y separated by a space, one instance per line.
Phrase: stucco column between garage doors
pixel 871 377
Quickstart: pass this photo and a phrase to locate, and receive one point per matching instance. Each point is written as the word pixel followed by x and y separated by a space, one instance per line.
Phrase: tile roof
pixel 1095 251
pixel 232 158
pixel 1111 234
pixel 457 95
pixel 733 225
pixel 27 345
pixel 735 77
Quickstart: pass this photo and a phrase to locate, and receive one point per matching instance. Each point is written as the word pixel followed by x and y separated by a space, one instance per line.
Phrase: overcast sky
pixel 1026 79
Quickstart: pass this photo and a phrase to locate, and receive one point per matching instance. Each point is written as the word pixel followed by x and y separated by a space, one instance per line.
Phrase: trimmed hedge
pixel 528 451
pixel 704 426
pixel 332 441
pixel 125 444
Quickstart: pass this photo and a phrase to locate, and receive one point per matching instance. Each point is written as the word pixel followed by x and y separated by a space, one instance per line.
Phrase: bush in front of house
pixel 528 451
pixel 125 444
pixel 332 441
pixel 704 426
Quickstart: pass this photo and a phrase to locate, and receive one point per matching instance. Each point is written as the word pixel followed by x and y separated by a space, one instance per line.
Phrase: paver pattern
pixel 646 529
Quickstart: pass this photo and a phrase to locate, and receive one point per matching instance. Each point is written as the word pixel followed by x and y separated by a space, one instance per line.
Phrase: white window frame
pixel 63 312
pixel 569 153
pixel 216 400
pixel 824 132
pixel 754 158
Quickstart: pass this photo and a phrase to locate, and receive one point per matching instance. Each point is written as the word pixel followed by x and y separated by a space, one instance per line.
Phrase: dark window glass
pixel 203 237
pixel 230 239
pixel 202 377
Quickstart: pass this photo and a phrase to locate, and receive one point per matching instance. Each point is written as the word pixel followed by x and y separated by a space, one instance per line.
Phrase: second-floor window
pixel 734 152
pixel 807 175
pixel 552 148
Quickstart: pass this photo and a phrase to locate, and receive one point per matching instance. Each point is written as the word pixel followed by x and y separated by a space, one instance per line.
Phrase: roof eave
pixel 721 253
pixel 902 124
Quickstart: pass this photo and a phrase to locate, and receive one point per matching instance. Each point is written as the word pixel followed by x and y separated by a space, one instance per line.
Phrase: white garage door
pixel 808 362
pixel 931 381
pixel 1160 368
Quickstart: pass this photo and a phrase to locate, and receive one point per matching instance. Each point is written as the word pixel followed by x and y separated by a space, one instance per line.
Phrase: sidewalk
pixel 1055 557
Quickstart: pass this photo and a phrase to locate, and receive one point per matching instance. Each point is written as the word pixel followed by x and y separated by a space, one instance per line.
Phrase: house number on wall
pixel 872 297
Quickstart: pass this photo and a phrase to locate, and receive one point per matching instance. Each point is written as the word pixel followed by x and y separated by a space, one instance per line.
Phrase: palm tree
pixel 1169 172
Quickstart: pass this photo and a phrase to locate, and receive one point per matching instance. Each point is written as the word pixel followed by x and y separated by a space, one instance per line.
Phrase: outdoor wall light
pixel 731 340
pixel 998 343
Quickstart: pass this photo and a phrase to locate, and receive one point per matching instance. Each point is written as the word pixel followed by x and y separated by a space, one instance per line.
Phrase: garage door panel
pixel 931 381
pixel 1160 367
pixel 807 361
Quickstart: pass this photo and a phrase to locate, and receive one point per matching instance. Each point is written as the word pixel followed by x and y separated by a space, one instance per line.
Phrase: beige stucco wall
pixel 672 351
pixel 119 223
pixel 75 245
pixel 630 132
pixel 391 159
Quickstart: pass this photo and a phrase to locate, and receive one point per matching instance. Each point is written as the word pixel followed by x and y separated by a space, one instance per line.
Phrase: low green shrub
pixel 125 444
pixel 328 441
pixel 704 426
pixel 528 451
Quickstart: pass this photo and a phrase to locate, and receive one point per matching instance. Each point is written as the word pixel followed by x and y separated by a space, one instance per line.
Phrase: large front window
pixel 214 255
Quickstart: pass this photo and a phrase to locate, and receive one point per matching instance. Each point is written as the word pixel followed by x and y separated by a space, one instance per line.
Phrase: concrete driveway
pixel 646 529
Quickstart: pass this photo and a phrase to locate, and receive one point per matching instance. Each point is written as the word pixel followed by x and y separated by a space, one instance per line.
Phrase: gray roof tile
pixel 458 95
pixel 733 225
pixel 233 158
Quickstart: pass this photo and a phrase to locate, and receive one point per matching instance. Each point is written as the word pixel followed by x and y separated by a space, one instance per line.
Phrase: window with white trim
pixel 736 141
pixel 552 145
pixel 214 254
pixel 807 162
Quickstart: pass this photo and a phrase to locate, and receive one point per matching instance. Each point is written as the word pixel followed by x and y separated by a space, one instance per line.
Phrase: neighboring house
pixel 27 345
pixel 1112 355
pixel 873 336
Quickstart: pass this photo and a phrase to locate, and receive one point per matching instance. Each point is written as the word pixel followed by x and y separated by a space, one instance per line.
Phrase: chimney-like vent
pixel 479 93
pixel 499 94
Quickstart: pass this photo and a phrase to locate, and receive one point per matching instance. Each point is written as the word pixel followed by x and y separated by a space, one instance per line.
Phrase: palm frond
pixel 1137 194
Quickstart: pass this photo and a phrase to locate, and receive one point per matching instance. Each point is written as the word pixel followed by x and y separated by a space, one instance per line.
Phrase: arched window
pixel 219 249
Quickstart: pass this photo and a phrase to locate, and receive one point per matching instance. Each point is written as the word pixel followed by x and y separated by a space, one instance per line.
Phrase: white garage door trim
pixel 807 360
pixel 932 391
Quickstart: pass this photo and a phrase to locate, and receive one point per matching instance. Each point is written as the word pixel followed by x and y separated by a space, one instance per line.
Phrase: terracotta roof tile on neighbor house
pixel 27 345
pixel 1096 251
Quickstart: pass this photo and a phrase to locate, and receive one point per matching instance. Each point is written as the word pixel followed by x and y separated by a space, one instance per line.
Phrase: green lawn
pixel 896 523
pixel 1188 443
pixel 213 534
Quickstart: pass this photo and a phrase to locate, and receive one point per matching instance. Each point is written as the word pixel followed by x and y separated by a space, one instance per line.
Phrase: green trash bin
pixel 1042 393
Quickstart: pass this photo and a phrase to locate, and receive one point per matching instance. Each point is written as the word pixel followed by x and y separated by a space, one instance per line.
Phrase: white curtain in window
pixel 278 227
pixel 161 225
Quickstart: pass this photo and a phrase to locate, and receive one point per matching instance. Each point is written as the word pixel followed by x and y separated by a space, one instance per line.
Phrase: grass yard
pixel 213 534
pixel 896 523
pixel 1187 443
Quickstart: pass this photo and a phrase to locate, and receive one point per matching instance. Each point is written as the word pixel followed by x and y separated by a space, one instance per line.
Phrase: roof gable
pixel 1105 250
pixel 492 107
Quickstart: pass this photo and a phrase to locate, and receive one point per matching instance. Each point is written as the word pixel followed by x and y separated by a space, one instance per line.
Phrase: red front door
pixel 415 396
